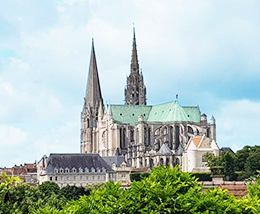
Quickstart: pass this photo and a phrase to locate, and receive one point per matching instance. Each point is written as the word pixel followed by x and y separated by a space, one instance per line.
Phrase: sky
pixel 206 51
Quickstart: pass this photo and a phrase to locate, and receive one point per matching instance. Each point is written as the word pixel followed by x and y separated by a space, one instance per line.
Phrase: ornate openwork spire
pixel 134 62
pixel 135 92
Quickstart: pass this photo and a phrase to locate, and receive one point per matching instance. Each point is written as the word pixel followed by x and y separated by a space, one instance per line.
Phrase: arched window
pixel 190 130
pixel 149 136
pixel 145 136
pixel 177 161
pixel 161 161
pixel 167 161
pixel 151 163
pixel 87 123
pixel 165 130
pixel 171 137
pixel 132 135
pixel 177 137
pixel 122 137
pixel 208 132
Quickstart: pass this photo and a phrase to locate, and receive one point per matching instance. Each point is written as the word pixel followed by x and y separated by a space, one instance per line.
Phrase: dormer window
pixel 67 170
pixel 61 170
pixel 74 170
pixel 86 170
pixel 92 169
pixel 80 170
pixel 56 170
pixel 98 170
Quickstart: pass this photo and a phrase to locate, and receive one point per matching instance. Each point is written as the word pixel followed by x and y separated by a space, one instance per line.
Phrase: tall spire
pixel 134 62
pixel 135 92
pixel 93 93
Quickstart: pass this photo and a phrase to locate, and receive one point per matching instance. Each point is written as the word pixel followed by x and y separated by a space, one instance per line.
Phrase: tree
pixel 226 160
pixel 73 192
pixel 248 161
pixel 6 183
pixel 48 188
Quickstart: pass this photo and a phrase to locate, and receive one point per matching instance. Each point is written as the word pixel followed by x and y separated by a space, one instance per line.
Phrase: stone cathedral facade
pixel 147 135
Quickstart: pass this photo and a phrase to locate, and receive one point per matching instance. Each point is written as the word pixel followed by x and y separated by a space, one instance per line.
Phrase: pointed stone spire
pixel 134 62
pixel 93 93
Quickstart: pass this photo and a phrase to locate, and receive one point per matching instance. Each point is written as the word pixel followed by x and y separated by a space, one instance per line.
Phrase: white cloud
pixel 238 123
pixel 11 136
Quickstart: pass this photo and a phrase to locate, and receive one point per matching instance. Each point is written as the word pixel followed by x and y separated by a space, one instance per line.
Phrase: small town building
pixel 27 172
pixel 74 169
pixel 193 158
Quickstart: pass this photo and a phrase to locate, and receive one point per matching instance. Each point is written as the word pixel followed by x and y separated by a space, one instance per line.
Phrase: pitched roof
pixel 118 160
pixel 173 112
pixel 76 160
pixel 195 140
pixel 167 112
pixel 164 150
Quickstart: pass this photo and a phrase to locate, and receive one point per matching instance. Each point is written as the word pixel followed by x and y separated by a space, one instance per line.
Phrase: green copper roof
pixel 167 112
pixel 172 112
pixel 129 114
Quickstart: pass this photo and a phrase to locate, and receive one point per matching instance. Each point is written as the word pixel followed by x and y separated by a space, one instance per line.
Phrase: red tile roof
pixel 196 141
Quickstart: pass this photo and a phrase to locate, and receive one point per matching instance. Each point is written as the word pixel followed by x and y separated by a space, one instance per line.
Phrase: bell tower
pixel 135 92
pixel 93 101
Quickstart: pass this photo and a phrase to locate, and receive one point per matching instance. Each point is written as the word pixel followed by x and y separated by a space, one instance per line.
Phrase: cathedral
pixel 146 135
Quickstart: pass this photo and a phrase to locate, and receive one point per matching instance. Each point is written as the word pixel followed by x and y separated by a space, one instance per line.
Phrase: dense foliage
pixel 237 166
pixel 166 190
pixel 138 176
pixel 18 197
pixel 202 176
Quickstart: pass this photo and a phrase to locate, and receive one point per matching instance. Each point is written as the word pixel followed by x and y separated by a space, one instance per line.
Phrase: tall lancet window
pixel 122 138
pixel 177 137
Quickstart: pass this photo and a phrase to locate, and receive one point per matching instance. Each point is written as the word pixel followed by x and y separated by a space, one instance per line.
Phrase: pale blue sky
pixel 207 51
